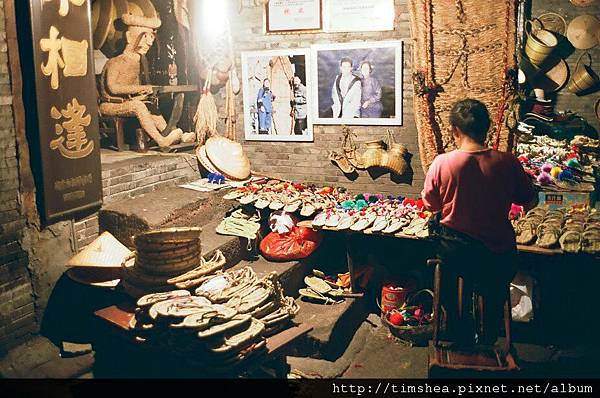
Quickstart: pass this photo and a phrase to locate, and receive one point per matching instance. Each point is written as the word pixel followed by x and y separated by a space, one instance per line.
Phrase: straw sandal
pixel 293 205
pixel 526 232
pixel 263 201
pixel 365 221
pixel 242 339
pixel 590 242
pixel 249 302
pixel 178 307
pixel 417 224
pixel 319 220
pixel 237 321
pixel 196 276
pixel 237 281
pixel 570 242
pixel 396 224
pixel 381 223
pixel 248 198
pixel 312 295
pixel 346 221
pixel 201 321
pixel 547 235
pixel 308 209
pixel 333 219
pixel 234 194
pixel 153 298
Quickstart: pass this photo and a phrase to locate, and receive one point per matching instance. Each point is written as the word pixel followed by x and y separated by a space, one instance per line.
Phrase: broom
pixel 206 115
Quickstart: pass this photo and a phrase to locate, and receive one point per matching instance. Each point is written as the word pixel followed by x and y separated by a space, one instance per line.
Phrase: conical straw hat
pixel 104 252
pixel 583 32
pixel 228 157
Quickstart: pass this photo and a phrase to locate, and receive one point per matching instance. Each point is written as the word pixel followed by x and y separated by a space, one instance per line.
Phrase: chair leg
pixel 120 133
pixel 437 316
pixel 507 323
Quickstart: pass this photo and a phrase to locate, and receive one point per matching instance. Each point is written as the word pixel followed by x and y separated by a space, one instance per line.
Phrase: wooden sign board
pixel 56 48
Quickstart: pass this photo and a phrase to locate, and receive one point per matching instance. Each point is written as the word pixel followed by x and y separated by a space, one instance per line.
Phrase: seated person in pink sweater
pixel 473 188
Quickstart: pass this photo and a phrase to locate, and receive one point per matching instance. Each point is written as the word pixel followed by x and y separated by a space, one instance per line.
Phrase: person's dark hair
pixel 346 59
pixel 367 63
pixel 472 118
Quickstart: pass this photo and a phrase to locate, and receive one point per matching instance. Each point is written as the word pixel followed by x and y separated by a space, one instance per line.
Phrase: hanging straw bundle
pixel 206 115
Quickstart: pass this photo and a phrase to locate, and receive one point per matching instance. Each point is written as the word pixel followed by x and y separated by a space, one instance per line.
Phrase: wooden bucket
pixel 584 77
pixel 539 45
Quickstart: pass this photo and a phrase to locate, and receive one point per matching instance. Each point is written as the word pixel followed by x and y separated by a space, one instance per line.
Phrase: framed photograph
pixel 293 16
pixel 357 83
pixel 359 15
pixel 277 106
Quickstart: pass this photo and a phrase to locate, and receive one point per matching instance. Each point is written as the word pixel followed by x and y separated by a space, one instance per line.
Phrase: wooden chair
pixel 445 360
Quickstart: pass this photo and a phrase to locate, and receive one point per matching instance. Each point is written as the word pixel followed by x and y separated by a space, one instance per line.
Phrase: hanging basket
pixel 418 335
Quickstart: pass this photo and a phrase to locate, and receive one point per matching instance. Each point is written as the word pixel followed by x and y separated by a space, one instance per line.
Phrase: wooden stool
pixel 444 359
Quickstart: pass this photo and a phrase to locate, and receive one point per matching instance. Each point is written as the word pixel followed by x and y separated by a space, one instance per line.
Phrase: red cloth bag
pixel 299 243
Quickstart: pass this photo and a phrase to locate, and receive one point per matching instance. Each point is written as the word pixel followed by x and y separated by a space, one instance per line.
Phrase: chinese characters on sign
pixel 67 110
pixel 68 55
pixel 63 9
pixel 77 146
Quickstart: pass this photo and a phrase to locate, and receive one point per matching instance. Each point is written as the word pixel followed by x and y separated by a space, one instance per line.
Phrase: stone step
pixel 172 207
pixel 334 326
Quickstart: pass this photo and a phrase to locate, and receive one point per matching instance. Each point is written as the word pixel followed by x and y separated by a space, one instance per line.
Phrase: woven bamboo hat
pixel 583 32
pixel 106 12
pixel 598 109
pixel 204 160
pixel 228 157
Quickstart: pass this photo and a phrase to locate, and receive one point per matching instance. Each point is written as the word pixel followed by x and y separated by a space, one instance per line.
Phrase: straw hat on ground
pixel 583 32
pixel 228 157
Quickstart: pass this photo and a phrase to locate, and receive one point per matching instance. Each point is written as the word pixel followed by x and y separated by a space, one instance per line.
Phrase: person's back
pixel 474 191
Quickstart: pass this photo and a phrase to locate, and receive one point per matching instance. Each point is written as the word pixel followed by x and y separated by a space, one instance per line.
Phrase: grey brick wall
pixel 17 315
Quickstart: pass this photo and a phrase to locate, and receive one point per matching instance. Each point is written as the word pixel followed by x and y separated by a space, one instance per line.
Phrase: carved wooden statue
pixel 121 90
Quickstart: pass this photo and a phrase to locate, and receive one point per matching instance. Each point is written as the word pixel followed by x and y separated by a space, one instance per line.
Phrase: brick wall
pixel 17 313
pixel 584 105
pixel 309 161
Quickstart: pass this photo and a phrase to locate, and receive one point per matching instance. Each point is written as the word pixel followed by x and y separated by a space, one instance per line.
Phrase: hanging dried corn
pixel 206 115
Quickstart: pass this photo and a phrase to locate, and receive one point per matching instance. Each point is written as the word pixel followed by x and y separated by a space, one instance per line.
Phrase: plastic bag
pixel 299 243
pixel 521 298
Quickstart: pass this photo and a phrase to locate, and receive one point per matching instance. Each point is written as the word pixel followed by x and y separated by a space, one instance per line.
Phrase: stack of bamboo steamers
pixel 160 256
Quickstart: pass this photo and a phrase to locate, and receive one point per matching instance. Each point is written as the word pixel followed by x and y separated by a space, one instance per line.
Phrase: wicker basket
pixel 374 154
pixel 411 335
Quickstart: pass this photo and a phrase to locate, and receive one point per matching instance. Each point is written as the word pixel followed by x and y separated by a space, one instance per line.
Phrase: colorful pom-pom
pixel 565 175
pixel 544 178
pixel 555 172
pixel 573 163
pixel 547 167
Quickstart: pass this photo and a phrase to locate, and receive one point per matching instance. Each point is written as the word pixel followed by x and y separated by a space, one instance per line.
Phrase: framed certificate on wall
pixel 359 15
pixel 293 16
